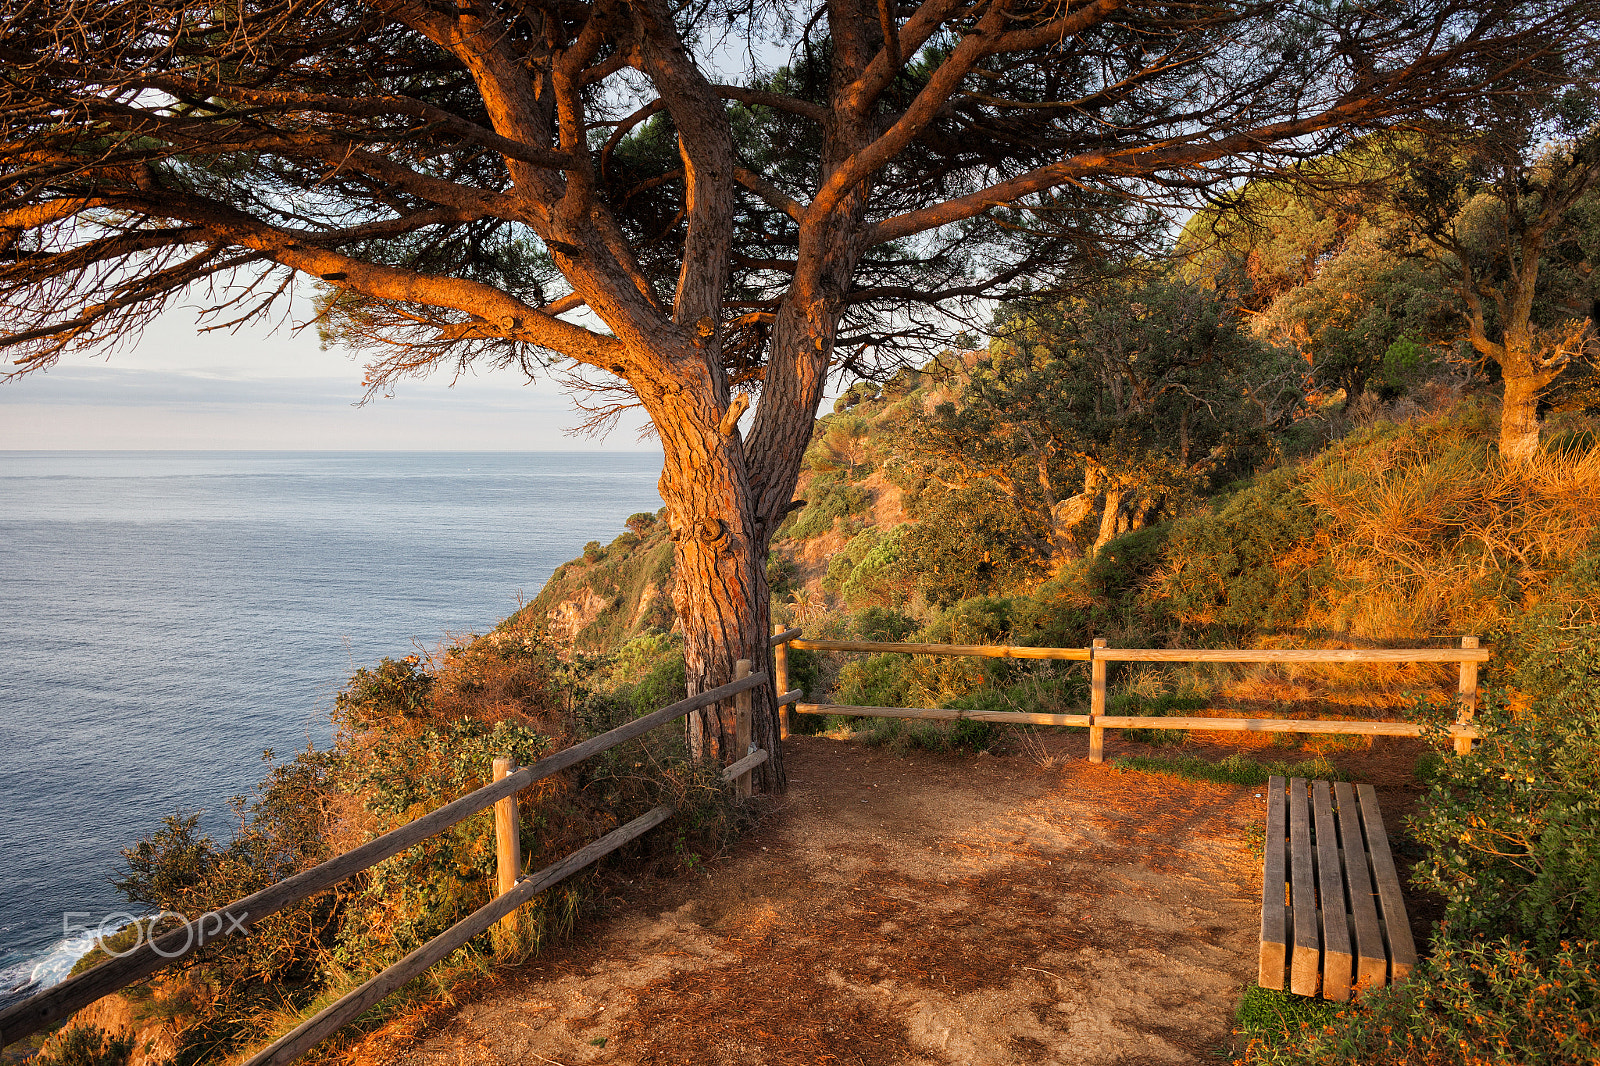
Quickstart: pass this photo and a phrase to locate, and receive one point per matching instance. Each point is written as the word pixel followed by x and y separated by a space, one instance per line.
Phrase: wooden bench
pixel 1331 911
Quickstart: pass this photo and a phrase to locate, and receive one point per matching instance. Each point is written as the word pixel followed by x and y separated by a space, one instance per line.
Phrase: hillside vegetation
pixel 1283 437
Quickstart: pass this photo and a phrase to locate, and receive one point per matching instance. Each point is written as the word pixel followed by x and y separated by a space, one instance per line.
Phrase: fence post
pixel 780 680
pixel 1467 692
pixel 741 726
pixel 1097 702
pixel 507 843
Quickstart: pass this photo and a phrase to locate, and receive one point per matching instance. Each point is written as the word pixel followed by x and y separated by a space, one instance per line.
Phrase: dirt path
pixel 918 909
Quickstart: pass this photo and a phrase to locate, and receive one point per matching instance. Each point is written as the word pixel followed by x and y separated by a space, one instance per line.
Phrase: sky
pixel 265 389
pixel 261 389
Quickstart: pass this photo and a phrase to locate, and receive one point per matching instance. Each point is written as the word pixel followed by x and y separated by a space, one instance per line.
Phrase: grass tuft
pixel 1234 770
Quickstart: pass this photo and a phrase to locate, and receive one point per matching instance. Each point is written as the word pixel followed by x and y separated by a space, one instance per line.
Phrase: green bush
pixel 1230 569
pixel 86 1045
pixel 881 680
pixel 902 736
pixel 1472 1003
pixel 1513 829
pixel 830 500
pixel 391 690
pixel 880 577
pixel 882 623
pixel 410 741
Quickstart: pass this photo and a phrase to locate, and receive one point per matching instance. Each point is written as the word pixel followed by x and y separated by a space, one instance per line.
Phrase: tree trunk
pixel 1519 418
pixel 1108 519
pixel 721 594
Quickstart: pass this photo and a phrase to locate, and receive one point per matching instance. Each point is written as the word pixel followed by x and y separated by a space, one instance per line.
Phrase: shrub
pixel 409 742
pixel 381 697
pixel 1252 566
pixel 830 500
pixel 902 736
pixel 1472 1003
pixel 882 623
pixel 1514 828
pixel 86 1045
pixel 880 577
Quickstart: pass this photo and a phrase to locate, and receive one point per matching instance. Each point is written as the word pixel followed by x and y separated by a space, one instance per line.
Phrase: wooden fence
pixel 54 1004
pixel 1469 655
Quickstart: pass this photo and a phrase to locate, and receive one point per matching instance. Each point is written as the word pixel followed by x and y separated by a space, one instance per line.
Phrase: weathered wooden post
pixel 507 843
pixel 741 726
pixel 780 679
pixel 1467 692
pixel 1097 702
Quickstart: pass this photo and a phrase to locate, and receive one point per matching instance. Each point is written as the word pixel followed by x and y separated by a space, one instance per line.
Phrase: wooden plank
pixel 1306 956
pixel 794 695
pixel 781 636
pixel 744 765
pixel 1372 963
pixel 507 843
pixel 1275 888
pixel 1276 725
pixel 943 714
pixel 53 1004
pixel 741 727
pixel 780 677
pixel 1467 695
pixel 1294 655
pixel 982 651
pixel 1338 961
pixel 1391 902
pixel 334 1017
pixel 1097 702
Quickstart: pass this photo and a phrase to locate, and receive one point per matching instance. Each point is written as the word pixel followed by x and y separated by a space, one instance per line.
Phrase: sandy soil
pixel 917 909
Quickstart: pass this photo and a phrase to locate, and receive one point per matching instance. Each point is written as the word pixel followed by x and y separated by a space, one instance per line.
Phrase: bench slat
pixel 1337 958
pixel 1372 964
pixel 1391 904
pixel 1275 887
pixel 1306 960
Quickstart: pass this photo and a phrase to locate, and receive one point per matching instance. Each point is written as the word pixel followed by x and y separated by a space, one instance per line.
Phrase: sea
pixel 167 617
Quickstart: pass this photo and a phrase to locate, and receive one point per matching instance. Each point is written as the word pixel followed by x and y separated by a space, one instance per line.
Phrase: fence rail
pixel 1098 655
pixel 53 1004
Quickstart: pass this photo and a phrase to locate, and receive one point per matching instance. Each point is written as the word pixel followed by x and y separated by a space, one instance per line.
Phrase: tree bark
pixel 1519 418
pixel 1108 519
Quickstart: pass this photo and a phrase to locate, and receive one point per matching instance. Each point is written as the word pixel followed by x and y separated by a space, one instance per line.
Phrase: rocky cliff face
pixel 611 593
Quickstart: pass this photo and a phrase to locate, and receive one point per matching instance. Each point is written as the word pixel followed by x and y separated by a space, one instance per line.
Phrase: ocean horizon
pixel 172 614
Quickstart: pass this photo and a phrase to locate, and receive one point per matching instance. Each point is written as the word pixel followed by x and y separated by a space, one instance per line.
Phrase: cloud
pixel 111 407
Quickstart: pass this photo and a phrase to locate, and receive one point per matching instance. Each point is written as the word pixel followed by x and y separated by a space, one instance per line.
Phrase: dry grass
pixel 1430 533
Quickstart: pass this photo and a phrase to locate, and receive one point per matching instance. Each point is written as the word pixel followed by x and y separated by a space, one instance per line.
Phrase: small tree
pixel 1496 205
pixel 464 178
pixel 1114 402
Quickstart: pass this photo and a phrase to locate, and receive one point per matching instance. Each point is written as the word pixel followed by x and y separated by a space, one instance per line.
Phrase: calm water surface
pixel 166 616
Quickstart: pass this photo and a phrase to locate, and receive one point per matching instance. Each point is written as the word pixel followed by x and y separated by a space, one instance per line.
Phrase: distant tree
pixel 563 184
pixel 1328 272
pixel 1115 402
pixel 1483 233
pixel 1499 207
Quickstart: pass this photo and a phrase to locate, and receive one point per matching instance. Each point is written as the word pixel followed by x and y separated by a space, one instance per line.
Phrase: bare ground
pixel 917 909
